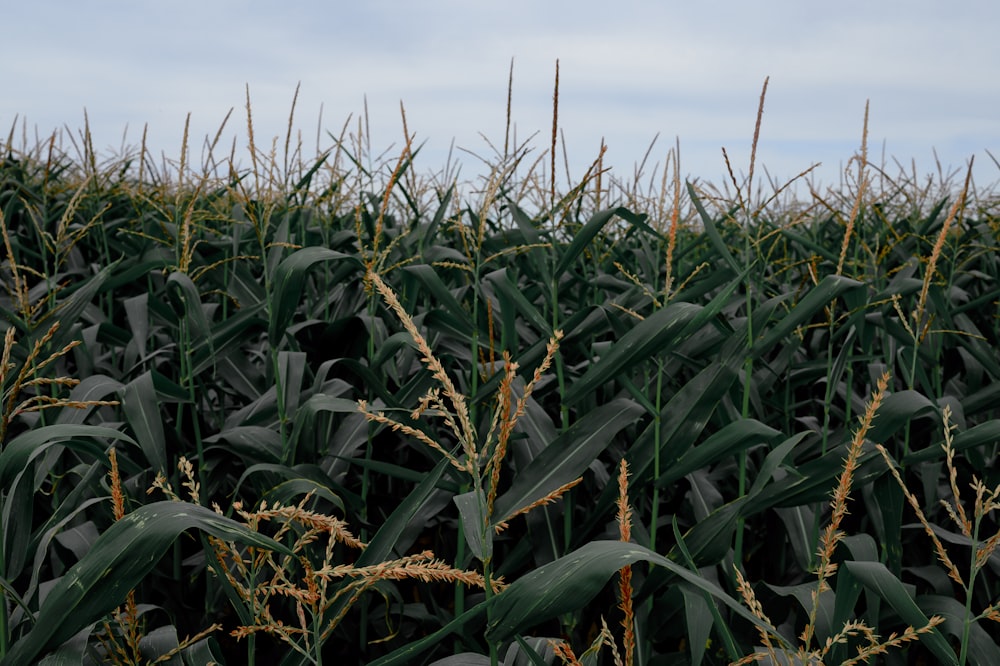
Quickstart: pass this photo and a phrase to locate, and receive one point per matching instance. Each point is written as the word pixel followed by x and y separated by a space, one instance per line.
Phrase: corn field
pixel 338 409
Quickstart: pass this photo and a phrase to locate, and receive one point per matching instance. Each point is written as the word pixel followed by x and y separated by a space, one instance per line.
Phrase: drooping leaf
pixel 288 281
pixel 570 582
pixel 121 557
pixel 875 576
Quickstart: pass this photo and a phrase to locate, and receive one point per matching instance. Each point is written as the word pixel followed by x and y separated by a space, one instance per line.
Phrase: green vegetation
pixel 333 410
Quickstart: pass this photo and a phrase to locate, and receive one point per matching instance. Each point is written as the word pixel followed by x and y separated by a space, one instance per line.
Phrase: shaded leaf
pixel 876 577
pixel 121 557
pixel 566 458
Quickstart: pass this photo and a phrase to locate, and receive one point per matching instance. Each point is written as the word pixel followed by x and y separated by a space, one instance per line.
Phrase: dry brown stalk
pixel 830 538
pixel 465 432
pixel 756 135
pixel 28 377
pixel 750 599
pixel 516 249
pixel 509 418
pixel 127 620
pixel 634 279
pixel 630 312
pixel 380 417
pixel 19 290
pixel 874 648
pixel 986 501
pixel 625 575
pixel 117 498
pixel 832 535
pixel 609 640
pixel 920 325
pixel 552 149
pixel 314 521
pixel 548 499
pixel 456 417
pixel 564 651
pixel 260 579
pixel 675 213
pixel 862 159
pixel 421 566
pixel 506 420
pixel 942 554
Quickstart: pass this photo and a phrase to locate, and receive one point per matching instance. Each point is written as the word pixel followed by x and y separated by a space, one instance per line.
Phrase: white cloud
pixel 627 72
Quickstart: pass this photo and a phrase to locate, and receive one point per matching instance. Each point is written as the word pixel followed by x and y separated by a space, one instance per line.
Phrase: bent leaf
pixel 876 577
pixel 571 581
pixel 118 560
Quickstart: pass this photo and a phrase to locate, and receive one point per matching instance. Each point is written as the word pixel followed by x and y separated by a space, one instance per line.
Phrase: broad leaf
pixel 120 558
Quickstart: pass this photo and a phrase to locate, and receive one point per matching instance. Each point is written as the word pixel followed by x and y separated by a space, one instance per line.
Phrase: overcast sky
pixel 628 71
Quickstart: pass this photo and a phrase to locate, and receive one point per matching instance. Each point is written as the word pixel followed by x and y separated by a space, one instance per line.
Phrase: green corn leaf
pixel 182 288
pixel 650 336
pixel 896 411
pixel 983 434
pixel 70 653
pixel 733 438
pixel 982 648
pixel 803 593
pixel 307 415
pixel 20 451
pixel 142 409
pixel 255 442
pixel 583 238
pixel 94 387
pixel 566 458
pixel 711 538
pixel 466 623
pixel 70 310
pixel 712 231
pixel 291 370
pixel 442 296
pixel 699 619
pixel 226 337
pixel 829 288
pixel 463 659
pixel 876 577
pixel 510 293
pixel 137 314
pixel 683 419
pixel 120 558
pixel 289 279
pixel 478 534
pixel 288 492
pixel 570 582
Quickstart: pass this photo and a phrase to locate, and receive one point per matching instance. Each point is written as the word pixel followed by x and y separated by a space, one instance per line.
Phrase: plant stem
pixel 657 423
pixel 4 629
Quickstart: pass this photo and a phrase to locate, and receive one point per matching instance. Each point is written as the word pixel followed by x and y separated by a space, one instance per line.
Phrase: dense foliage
pixel 332 409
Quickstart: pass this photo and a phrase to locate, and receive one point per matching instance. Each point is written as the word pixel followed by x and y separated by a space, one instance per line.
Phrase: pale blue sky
pixel 628 70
